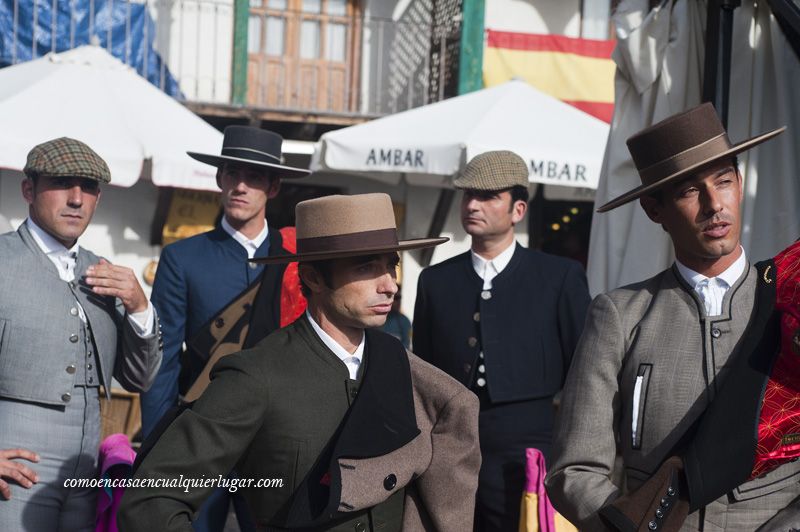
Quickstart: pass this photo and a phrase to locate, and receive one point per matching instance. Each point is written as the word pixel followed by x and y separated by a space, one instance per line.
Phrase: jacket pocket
pixel 639 403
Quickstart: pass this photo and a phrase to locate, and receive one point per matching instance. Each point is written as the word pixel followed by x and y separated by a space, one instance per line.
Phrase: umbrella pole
pixel 437 222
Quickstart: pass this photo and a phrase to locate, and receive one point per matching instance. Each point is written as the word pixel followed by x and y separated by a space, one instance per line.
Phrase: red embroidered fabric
pixel 779 423
pixel 293 304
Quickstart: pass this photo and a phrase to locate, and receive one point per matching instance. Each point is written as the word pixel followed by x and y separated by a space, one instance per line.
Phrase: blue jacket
pixel 196 278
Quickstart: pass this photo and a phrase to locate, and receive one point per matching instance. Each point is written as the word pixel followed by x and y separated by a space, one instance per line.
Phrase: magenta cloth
pixel 535 471
pixel 116 458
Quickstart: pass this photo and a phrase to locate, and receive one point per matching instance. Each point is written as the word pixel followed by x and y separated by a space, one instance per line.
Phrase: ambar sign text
pixel 559 171
pixel 396 157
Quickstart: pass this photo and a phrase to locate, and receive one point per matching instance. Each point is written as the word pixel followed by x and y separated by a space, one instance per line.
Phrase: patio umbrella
pixel 429 145
pixel 89 95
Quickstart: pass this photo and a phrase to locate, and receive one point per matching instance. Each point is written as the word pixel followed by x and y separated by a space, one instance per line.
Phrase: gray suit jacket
pixel 38 316
pixel 646 367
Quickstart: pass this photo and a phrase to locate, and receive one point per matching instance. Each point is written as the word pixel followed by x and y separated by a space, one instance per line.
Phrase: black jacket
pixel 527 329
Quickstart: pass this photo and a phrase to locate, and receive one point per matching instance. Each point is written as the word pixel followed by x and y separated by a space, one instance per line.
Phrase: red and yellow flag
pixel 579 72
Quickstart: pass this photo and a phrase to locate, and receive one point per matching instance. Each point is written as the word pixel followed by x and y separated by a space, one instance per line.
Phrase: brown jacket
pixel 287 410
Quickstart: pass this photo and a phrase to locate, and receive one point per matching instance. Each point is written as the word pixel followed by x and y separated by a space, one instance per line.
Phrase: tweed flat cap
pixel 494 170
pixel 66 157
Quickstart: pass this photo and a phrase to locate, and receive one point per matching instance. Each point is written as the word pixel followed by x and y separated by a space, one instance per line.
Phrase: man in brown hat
pixel 653 355
pixel 354 432
pixel 198 277
pixel 69 321
pixel 504 321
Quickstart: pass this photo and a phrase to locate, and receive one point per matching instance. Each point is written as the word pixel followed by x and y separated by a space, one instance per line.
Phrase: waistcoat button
pixel 476 316
pixel 253 265
pixel 73 311
pixel 66 397
pixel 486 294
pixel 467 367
pixel 472 341
pixel 390 482
pixel 73 338
pixel 71 369
pixel 360 527
pixel 716 333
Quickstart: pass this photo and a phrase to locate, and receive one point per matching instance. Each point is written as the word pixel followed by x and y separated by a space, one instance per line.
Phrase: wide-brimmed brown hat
pixel 678 146
pixel 254 147
pixel 334 227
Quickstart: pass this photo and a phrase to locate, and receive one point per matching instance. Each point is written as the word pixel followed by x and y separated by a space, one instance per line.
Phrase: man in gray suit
pixel 654 354
pixel 69 321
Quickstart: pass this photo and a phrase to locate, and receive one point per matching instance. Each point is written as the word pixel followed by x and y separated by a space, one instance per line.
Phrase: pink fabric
pixel 535 471
pixel 116 458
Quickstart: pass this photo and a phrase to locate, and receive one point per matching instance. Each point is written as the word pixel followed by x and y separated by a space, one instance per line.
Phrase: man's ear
pixel 274 187
pixel 311 277
pixel 28 190
pixel 518 211
pixel 652 207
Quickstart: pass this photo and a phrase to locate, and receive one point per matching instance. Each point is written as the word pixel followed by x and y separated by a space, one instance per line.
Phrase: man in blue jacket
pixel 199 276
pixel 504 320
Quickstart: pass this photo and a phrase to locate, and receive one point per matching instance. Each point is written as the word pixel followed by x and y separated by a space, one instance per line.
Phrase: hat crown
pixel 494 170
pixel 343 215
pixel 676 135
pixel 66 157
pixel 251 143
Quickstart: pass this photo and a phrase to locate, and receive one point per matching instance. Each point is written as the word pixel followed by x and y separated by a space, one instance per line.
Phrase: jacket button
pixel 89 354
pixel 390 482
pixel 659 514
pixel 467 368
pixel 652 525
pixel 716 333
pixel 73 338
pixel 670 491
pixel 66 397
pixel 476 316
pixel 253 265
pixel 219 323
pixel 472 341
pixel 71 369
pixel 486 294
pixel 88 366
pixel 73 311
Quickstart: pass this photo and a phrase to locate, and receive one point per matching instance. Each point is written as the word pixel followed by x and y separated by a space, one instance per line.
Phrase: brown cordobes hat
pixel 678 146
pixel 333 227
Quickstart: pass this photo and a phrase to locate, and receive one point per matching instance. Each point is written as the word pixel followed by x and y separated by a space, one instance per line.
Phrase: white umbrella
pixel 430 144
pixel 89 95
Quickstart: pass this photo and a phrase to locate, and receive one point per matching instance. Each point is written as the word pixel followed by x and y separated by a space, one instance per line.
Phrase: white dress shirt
pixel 65 259
pixel 489 269
pixel 351 360
pixel 250 245
pixel 712 289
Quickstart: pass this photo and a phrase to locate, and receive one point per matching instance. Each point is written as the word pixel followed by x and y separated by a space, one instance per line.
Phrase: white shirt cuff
pixel 143 321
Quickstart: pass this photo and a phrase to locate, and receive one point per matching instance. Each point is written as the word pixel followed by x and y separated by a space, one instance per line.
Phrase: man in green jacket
pixel 338 426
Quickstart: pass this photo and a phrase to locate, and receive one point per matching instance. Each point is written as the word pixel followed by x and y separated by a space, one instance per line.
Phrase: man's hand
pixel 107 279
pixel 22 474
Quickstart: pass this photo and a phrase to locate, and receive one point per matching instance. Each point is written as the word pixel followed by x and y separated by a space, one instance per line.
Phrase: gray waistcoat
pixel 676 381
pixel 40 327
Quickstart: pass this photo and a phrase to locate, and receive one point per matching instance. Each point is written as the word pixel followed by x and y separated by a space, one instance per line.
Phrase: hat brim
pixel 218 160
pixel 643 190
pixel 403 245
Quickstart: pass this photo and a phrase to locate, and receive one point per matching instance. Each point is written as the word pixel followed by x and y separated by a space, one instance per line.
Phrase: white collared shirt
pixel 489 269
pixel 249 245
pixel 351 360
pixel 65 259
pixel 712 289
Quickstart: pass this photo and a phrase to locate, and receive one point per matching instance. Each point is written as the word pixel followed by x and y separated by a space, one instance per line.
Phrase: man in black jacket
pixel 503 320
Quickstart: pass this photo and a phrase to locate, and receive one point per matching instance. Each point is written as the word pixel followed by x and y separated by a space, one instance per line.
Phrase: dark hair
pixel 325 270
pixel 519 193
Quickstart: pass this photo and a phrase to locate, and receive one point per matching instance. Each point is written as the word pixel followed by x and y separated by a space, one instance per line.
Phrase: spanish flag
pixel 579 72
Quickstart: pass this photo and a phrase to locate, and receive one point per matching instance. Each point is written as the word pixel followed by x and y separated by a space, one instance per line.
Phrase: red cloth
pixel 293 304
pixel 779 423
